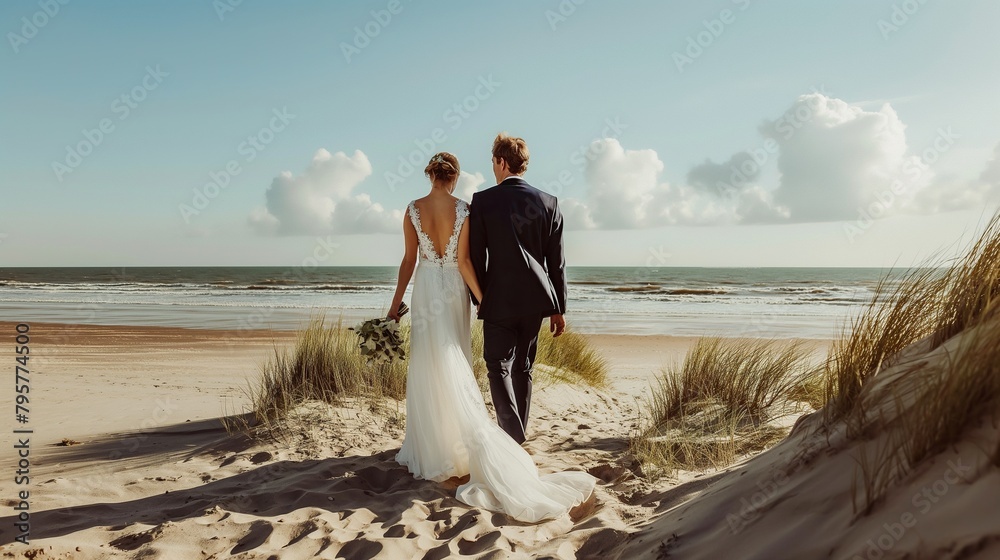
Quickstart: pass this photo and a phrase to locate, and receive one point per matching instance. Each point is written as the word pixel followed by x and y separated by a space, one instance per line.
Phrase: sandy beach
pixel 150 471
pixel 129 459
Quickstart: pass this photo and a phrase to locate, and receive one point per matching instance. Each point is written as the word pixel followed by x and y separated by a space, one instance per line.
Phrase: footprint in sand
pixel 256 536
pixel 135 540
pixel 360 548
pixel 483 543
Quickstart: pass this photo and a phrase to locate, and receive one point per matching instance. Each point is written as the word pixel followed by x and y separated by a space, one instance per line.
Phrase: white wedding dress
pixel 449 431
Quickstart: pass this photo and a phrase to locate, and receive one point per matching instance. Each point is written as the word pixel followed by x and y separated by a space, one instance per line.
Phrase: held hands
pixel 557 324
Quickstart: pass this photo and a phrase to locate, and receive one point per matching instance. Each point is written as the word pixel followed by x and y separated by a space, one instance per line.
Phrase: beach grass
pixel 570 358
pixel 934 405
pixel 326 364
pixel 972 286
pixel 900 313
pixel 719 404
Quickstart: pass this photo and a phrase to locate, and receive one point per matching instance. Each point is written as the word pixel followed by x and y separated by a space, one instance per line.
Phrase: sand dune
pixel 797 500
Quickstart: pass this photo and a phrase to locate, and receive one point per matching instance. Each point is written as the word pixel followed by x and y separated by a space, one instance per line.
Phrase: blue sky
pixel 854 108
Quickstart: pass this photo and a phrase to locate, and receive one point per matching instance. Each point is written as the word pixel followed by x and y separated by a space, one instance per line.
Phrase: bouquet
pixel 379 339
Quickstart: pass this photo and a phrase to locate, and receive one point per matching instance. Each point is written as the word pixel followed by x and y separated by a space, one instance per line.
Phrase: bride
pixel 449 432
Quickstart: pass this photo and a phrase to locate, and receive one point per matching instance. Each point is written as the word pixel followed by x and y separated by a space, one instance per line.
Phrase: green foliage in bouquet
pixel 380 340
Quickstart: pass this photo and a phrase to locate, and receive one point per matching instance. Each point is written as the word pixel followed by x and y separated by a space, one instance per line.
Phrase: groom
pixel 515 242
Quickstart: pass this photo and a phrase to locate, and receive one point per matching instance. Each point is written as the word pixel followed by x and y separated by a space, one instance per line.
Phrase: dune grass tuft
pixel 925 302
pixel 900 313
pixel 720 403
pixel 934 404
pixel 325 364
pixel 973 286
pixel 571 359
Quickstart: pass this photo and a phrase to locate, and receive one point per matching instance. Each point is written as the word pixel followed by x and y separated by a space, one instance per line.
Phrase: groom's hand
pixel 557 324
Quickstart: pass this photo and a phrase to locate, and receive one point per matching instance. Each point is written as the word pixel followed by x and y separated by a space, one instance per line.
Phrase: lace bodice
pixel 428 253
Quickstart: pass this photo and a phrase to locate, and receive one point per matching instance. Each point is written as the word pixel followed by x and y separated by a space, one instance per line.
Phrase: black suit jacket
pixel 515 242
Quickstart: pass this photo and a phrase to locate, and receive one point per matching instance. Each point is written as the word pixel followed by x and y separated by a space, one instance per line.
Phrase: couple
pixel 505 250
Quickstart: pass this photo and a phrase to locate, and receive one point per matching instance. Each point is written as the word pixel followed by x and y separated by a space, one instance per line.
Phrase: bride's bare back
pixel 437 218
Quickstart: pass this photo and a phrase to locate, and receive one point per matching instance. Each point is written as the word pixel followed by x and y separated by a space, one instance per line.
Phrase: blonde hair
pixel 513 150
pixel 442 167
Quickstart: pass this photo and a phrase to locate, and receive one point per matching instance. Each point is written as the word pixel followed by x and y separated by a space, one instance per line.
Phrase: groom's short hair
pixel 513 150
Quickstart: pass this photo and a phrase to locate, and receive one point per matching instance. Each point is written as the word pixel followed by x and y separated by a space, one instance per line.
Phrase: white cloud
pixel 322 201
pixel 723 178
pixel 834 158
pixel 835 162
pixel 949 193
pixel 991 175
pixel 625 191
pixel 621 182
pixel 756 205
pixel 468 184
pixel 576 214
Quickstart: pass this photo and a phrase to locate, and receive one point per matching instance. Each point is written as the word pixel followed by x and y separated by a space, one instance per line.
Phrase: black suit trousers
pixel 509 347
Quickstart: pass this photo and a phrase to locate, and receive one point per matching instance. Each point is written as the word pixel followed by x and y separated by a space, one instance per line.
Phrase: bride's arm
pixel 465 263
pixel 406 266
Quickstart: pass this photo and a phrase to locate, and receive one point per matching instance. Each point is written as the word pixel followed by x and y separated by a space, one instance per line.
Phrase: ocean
pixel 753 302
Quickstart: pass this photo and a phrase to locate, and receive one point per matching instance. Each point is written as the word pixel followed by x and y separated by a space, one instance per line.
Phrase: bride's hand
pixel 394 315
